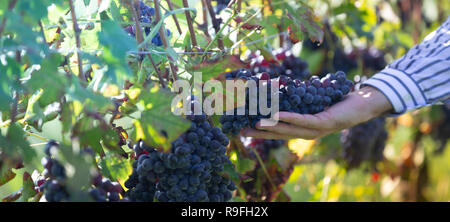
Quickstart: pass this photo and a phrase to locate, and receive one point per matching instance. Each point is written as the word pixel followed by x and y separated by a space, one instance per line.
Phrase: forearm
pixel 419 78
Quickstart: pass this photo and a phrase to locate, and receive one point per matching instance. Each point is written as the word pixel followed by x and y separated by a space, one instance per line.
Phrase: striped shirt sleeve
pixel 419 78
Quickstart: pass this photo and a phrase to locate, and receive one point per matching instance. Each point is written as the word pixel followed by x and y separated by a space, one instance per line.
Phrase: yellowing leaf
pixel 133 93
pixel 301 147
pixel 111 90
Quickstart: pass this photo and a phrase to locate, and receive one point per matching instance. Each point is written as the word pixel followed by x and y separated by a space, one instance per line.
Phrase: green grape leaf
pixel 115 52
pixel 158 126
pixel 268 24
pixel 284 157
pixel 92 137
pixel 36 9
pixel 212 69
pixel 244 165
pixel 78 167
pixel 92 101
pixel 315 59
pixel 49 80
pixel 110 139
pixel 12 197
pixel 358 20
pixel 15 146
pixel 230 171
pixel 115 167
pixel 104 16
pixel 303 17
pixel 5 96
pixel 9 72
pixel 115 11
pixel 27 188
pixel 25 36
pixel 6 174
pixel 282 196
pixel 69 114
pixel 34 114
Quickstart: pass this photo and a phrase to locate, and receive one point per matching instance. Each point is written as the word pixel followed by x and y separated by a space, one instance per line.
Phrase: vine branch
pixel 162 34
pixel 190 25
pixel 215 22
pixel 77 31
pixel 42 31
pixel 169 3
pixel 140 38
pixel 204 26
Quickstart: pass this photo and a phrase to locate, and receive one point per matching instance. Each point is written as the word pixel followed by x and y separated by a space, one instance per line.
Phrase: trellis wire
pixel 210 52
pixel 180 53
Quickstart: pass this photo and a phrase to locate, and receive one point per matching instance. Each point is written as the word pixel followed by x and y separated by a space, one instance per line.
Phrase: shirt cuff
pixel 399 88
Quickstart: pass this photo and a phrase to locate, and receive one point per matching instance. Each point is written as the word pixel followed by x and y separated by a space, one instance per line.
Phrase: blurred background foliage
pixel 412 170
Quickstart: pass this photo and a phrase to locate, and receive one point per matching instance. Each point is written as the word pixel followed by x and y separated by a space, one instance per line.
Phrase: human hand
pixel 359 106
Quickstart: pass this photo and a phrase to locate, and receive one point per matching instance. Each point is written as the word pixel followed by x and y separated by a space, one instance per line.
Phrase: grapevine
pixel 364 142
pixel 306 97
pixel 190 172
pixel 91 93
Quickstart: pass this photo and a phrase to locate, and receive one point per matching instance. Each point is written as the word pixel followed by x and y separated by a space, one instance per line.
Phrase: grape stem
pixel 35 135
pixel 140 38
pixel 14 106
pixel 190 25
pixel 204 26
pixel 216 24
pixel 162 34
pixel 38 144
pixel 238 144
pixel 169 3
pixel 280 29
pixel 77 31
pixel 263 167
pixel 42 31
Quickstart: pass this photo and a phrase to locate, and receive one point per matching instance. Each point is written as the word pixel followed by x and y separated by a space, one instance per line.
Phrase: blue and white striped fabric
pixel 421 77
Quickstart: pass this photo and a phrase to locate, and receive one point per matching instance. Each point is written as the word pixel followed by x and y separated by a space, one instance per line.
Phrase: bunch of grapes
pixel 373 59
pixel 106 190
pixel 335 56
pixel 343 61
pixel 53 185
pixel 146 13
pixel 221 4
pixel 305 97
pixel 284 64
pixel 264 146
pixel 364 142
pixel 442 130
pixel 265 185
pixel 190 172
pixel 260 188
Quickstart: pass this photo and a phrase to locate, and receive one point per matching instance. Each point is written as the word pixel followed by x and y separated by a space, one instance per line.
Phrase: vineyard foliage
pixel 86 91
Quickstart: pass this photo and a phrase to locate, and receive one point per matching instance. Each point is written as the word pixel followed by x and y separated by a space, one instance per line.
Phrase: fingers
pixel 264 134
pixel 318 121
pixel 290 130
